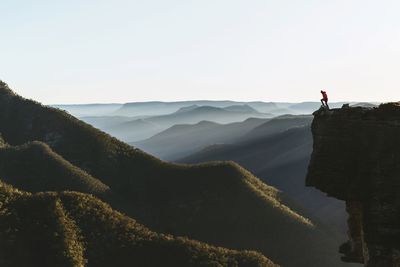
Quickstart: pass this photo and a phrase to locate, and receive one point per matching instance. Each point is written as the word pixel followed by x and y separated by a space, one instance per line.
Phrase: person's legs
pixel 326 104
pixel 322 101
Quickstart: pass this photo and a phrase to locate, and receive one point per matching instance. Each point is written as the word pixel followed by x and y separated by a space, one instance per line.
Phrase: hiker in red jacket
pixel 324 99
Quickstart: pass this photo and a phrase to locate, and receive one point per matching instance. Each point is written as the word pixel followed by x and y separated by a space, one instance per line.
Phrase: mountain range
pixel 130 129
pixel 138 121
pixel 219 203
pixel 161 108
pixel 184 139
pixel 86 110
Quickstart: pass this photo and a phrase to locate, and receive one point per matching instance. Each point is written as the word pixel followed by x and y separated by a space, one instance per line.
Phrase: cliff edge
pixel 356 158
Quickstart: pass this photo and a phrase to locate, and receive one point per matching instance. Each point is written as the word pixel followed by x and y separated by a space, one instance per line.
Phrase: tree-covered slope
pixel 34 167
pixel 75 230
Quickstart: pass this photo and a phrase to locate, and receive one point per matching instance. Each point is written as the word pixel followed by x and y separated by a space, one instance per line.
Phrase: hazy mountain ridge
pixel 134 130
pixel 131 129
pixel 154 108
pixel 275 126
pixel 242 108
pixel 182 140
pixel 82 110
pixel 104 122
pixel 185 139
pixel 125 125
pixel 208 113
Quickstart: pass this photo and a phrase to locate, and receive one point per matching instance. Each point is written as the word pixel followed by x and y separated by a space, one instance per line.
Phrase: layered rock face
pixel 356 158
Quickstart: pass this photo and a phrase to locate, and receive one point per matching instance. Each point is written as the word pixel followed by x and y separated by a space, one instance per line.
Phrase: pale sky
pixel 97 51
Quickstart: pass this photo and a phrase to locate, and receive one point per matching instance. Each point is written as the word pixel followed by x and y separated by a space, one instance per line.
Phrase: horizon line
pixel 209 100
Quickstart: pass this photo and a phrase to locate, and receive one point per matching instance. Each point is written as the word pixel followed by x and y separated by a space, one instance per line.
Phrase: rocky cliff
pixel 356 158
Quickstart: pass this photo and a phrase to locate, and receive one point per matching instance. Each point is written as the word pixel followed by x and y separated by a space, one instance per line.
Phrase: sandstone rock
pixel 356 158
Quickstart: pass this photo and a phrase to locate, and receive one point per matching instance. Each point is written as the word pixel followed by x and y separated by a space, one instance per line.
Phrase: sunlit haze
pixel 124 51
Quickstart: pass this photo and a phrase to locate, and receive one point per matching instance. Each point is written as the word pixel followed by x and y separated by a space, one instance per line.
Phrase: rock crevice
pixel 356 158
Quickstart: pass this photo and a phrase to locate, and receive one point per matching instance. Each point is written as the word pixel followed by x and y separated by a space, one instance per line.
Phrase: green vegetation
pixel 34 167
pixel 2 142
pixel 75 229
pixel 218 203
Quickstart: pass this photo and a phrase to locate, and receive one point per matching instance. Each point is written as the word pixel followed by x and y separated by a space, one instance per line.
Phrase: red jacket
pixel 324 96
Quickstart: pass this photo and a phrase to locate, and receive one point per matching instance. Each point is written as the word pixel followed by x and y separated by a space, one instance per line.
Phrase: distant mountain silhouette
pixel 263 107
pixel 233 108
pixel 128 129
pixel 85 110
pixel 182 140
pixel 241 108
pixel 155 108
pixel 277 125
pixel 143 128
pixel 135 127
pixel 104 122
pixel 186 109
pixel 219 203
pixel 134 130
pixel 208 113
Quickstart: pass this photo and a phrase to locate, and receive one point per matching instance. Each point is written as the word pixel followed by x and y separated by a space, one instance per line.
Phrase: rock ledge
pixel 356 158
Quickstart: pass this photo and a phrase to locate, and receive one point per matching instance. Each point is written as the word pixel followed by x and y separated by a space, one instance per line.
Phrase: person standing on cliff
pixel 324 99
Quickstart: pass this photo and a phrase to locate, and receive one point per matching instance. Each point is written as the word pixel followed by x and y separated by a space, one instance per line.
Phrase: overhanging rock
pixel 356 158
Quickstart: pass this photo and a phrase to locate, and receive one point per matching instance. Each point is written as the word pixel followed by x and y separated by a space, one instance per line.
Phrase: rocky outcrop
pixel 356 158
